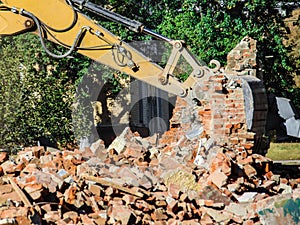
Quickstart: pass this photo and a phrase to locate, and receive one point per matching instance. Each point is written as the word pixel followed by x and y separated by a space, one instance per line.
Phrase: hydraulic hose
pixel 41 31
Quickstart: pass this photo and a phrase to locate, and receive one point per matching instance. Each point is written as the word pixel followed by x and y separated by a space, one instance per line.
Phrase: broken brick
pixel 158 214
pixel 249 170
pixel 218 178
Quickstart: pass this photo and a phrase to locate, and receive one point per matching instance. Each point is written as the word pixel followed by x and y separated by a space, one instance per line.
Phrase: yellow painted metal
pixel 58 14
pixel 11 23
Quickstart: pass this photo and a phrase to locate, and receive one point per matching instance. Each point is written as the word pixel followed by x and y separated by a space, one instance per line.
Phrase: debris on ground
pixel 205 170
pixel 141 183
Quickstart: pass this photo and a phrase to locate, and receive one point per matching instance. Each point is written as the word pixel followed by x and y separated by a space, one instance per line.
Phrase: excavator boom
pixel 61 22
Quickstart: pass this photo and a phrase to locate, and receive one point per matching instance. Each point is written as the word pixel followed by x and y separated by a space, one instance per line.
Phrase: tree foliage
pixel 37 91
pixel 212 28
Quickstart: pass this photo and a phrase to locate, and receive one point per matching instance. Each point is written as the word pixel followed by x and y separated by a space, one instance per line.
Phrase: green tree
pixel 212 28
pixel 37 93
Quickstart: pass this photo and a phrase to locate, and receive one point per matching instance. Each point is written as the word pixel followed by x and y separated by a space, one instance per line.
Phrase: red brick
pixel 218 178
pixel 206 220
pixel 8 167
pixel 190 222
pixel 3 156
pixel 24 220
pixel 86 220
pixel 71 216
pixel 249 170
pixel 160 222
pixel 161 203
pixel 248 222
pixel 174 191
pixel 34 190
pixel 159 214
pixel 173 206
pixel 14 212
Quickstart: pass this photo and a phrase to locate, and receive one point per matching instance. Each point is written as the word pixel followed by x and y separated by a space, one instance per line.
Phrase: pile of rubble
pixel 140 181
pixel 204 170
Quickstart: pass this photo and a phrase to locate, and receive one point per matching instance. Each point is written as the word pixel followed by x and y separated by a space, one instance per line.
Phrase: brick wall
pixel 234 110
pixel 242 59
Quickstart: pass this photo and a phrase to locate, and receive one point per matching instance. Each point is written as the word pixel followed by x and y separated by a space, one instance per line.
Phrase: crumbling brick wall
pixel 234 108
pixel 242 59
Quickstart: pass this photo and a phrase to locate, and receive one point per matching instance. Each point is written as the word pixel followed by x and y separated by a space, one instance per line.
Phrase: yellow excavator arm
pixel 61 21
